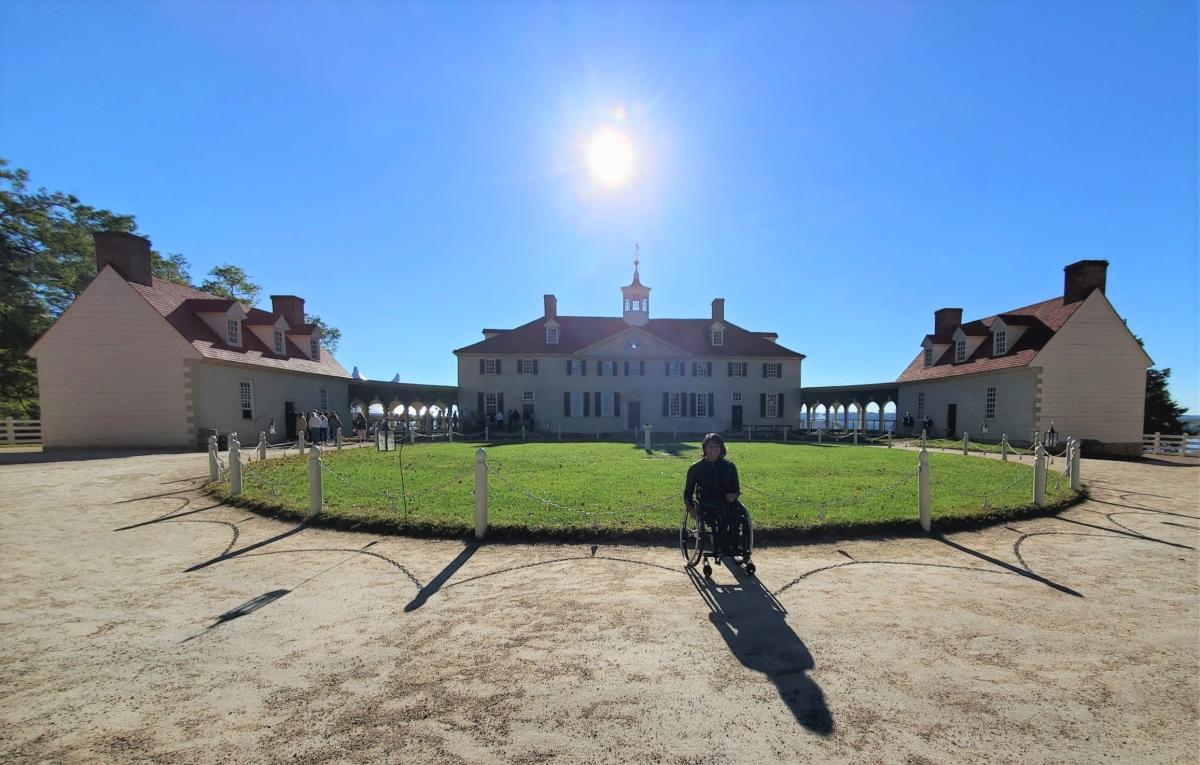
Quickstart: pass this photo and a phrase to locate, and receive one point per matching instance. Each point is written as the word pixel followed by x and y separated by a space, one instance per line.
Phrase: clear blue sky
pixel 835 170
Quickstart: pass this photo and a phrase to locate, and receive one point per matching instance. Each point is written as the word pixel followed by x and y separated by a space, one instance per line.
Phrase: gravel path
pixel 141 622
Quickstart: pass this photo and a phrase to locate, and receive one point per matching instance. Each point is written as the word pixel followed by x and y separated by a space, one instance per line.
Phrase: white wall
pixel 1094 378
pixel 112 373
pixel 218 402
pixel 1016 393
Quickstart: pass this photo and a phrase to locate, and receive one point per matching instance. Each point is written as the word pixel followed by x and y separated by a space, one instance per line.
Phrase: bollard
pixel 262 445
pixel 749 432
pixel 785 433
pixel 485 434
pixel 1157 439
pixel 300 441
pixel 597 432
pixel 314 481
pixel 923 490
pixel 560 431
pixel 923 438
pixel 819 433
pixel 966 443
pixel 1004 446
pixel 337 439
pixel 481 497
pixel 450 433
pixel 856 437
pixel 235 465
pixel 522 432
pixel 1039 476
pixel 412 435
pixel 1076 464
pixel 214 467
pixel 647 435
pixel 889 439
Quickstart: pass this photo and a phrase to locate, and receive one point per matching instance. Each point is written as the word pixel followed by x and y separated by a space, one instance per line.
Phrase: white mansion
pixel 589 374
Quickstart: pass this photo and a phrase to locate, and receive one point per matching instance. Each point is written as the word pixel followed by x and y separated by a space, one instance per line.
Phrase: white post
pixel 923 434
pixel 522 431
pixel 749 432
pixel 1039 476
pixel 597 432
pixel 450 432
pixel 966 443
pixel 262 445
pixel 1076 464
pixel 235 465
pixel 10 431
pixel 1157 438
pixel 214 467
pixel 889 439
pixel 481 494
pixel 1004 446
pixel 337 439
pixel 412 434
pixel 560 431
pixel 923 499
pixel 819 433
pixel 785 433
pixel 646 432
pixel 485 434
pixel 314 481
pixel 856 435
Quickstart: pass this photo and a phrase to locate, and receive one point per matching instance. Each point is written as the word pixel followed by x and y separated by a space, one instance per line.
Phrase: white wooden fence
pixel 15 432
pixel 1184 445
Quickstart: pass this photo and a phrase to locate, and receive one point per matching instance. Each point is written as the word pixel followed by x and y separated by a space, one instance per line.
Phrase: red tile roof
pixel 179 305
pixel 1042 319
pixel 578 332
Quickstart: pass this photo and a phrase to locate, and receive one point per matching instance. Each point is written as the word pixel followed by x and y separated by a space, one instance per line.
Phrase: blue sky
pixel 835 171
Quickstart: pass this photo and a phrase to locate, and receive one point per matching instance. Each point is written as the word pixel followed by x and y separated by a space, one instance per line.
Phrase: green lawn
pixel 558 487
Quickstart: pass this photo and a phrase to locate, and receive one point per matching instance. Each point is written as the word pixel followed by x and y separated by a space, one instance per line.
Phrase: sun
pixel 610 156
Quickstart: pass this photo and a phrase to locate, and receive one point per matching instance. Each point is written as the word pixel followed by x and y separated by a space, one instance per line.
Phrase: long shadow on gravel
pixel 754 625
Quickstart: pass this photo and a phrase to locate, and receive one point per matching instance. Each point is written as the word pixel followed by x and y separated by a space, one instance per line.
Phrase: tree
pixel 233 283
pixel 1162 412
pixel 330 336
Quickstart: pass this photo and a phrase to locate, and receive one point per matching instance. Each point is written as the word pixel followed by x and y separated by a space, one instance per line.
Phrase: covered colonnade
pixel 865 408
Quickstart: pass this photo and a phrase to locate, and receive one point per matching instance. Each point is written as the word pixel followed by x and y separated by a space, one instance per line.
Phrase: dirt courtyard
pixel 142 622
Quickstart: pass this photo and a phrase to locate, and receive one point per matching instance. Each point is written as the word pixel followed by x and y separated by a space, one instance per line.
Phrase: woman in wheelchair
pixel 715 524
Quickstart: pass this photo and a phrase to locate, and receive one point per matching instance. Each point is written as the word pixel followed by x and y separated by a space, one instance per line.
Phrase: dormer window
pixel 314 347
pixel 1000 343
pixel 960 351
pixel 718 337
pixel 552 335
pixel 929 357
pixel 233 331
pixel 279 341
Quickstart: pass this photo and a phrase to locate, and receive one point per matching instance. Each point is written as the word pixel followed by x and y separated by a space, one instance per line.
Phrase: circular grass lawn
pixel 561 489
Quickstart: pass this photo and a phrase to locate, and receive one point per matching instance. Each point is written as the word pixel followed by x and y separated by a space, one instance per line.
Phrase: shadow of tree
pixel 754 626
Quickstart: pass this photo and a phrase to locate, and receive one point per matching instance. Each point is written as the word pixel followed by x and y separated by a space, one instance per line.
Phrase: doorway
pixel 634 409
pixel 737 418
pixel 289 419
pixel 951 420
pixel 527 415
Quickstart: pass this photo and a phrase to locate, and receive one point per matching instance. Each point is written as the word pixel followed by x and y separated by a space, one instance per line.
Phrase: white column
pixel 314 481
pixel 262 445
pixel 1157 439
pixel 481 495
pixel 10 431
pixel 1004 447
pixel 300 441
pixel 1077 464
pixel 214 467
pixel 785 433
pixel 966 442
pixel 1039 476
pixel 923 496
pixel 235 465
pixel 646 430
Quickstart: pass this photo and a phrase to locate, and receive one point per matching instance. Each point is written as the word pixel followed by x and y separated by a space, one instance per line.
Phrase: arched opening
pixel 853 417
pixel 889 416
pixel 873 417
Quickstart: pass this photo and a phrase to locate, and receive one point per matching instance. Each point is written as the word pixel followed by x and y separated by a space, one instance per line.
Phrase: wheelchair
pixel 715 533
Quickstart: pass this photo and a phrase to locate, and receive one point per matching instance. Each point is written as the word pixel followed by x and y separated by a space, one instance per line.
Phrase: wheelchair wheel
pixel 691 540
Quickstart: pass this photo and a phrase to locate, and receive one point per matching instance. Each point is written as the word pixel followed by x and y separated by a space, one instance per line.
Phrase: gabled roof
pixel 180 304
pixel 1042 319
pixel 576 333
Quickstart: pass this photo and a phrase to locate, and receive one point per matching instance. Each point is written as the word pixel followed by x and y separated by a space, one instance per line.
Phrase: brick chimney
pixel 1082 277
pixel 551 304
pixel 129 254
pixel 718 309
pixel 945 320
pixel 291 307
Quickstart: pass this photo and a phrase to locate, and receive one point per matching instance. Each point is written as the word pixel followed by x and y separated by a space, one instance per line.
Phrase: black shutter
pixel 693 369
pixel 481 366
pixel 616 405
pixel 779 409
pixel 497 366
pixel 599 369
pixel 692 405
pixel 709 369
pixel 667 368
pixel 666 403
pixel 587 409
pixel 762 404
pixel 566 403
pixel 535 366
pixel 642 368
pixel 481 404
pixel 764 369
pixel 627 369
pixel 520 366
pixel 599 405
pixel 569 365
pixel 499 402
pixel 583 367
pixel 730 368
pixel 710 406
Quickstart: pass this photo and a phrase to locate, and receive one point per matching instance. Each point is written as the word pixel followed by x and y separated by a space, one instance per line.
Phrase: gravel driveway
pixel 142 622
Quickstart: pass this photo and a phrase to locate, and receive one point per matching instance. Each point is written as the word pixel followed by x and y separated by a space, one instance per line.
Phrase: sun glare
pixel 610 156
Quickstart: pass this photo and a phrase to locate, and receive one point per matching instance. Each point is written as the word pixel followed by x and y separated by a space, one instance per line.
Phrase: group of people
pixel 318 427
pixel 510 422
pixel 926 424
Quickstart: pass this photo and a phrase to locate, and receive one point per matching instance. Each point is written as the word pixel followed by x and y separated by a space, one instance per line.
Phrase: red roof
pixel 180 304
pixel 1042 319
pixel 578 332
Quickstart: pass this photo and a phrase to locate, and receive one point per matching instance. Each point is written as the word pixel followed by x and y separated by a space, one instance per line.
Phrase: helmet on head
pixel 714 438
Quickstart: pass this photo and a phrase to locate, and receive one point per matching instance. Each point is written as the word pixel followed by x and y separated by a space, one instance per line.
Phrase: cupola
pixel 635 297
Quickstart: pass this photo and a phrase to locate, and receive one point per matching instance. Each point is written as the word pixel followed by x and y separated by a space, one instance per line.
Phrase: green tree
pixel 231 282
pixel 330 336
pixel 1162 411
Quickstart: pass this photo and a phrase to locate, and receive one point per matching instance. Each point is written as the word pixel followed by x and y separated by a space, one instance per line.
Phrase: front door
pixel 737 418
pixel 951 420
pixel 634 409
pixel 527 416
pixel 289 419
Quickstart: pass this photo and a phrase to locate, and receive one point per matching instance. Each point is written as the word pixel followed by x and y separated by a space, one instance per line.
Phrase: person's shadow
pixel 754 625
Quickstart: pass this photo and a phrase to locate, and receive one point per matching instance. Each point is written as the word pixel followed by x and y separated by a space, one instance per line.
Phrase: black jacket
pixel 709 482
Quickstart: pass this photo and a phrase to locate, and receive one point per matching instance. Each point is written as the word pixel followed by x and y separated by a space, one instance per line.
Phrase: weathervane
pixel 637 251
